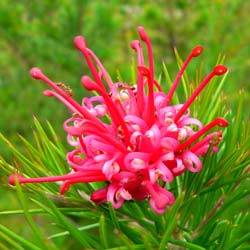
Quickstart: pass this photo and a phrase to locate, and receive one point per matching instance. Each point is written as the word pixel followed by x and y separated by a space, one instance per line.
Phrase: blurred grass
pixel 35 33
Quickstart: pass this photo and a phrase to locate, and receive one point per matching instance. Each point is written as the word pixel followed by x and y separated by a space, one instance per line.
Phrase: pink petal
pixel 110 168
pixel 125 194
pixel 112 196
pixel 180 168
pixel 169 144
pixel 190 121
pixel 135 161
pixel 160 197
pixel 154 135
pixel 190 160
pixel 165 174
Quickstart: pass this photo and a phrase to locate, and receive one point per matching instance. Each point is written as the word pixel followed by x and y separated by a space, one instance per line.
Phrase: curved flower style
pixel 130 137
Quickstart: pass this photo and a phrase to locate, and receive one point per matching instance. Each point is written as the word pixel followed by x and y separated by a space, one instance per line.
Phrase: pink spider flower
pixel 131 137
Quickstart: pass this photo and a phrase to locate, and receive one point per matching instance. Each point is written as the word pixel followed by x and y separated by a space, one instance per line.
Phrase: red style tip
pixel 36 73
pixel 220 70
pixel 48 93
pixel 80 43
pixel 222 122
pixel 142 33
pixel 88 83
pixel 135 44
pixel 13 178
pixel 197 51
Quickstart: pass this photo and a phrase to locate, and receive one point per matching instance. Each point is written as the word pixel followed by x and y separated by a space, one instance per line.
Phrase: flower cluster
pixel 130 136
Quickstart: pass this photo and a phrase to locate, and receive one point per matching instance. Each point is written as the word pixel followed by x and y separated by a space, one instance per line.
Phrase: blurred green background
pixel 40 33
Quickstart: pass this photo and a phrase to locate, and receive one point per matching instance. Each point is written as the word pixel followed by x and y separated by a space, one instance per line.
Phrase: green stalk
pixel 188 245
pixel 103 232
pixel 38 237
pixel 171 218
pixel 19 239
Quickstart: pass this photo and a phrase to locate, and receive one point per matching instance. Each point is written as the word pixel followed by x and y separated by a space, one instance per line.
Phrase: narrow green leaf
pixel 138 213
pixel 189 245
pixel 225 241
pixel 237 123
pixel 126 241
pixel 65 233
pixel 242 240
pixel 41 211
pixel 19 239
pixel 171 219
pixel 134 247
pixel 229 181
pixel 169 83
pixel 133 71
pixel 3 246
pixel 132 232
pixel 56 213
pixel 103 232
pixel 59 146
pixel 112 214
pixel 205 235
pixel 37 234
pixel 12 242
pixel 184 78
pixel 214 104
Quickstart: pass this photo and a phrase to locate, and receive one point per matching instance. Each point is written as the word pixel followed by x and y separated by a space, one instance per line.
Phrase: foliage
pixel 206 214
pixel 211 210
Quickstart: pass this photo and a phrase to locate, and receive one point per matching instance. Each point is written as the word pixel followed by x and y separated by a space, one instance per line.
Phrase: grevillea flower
pixel 131 137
